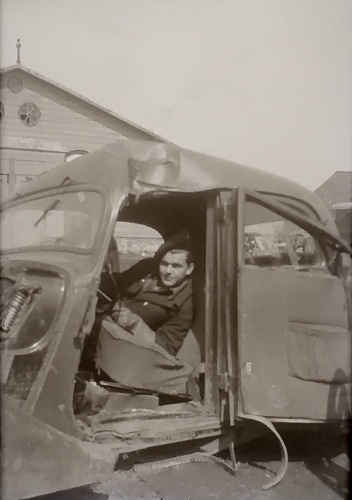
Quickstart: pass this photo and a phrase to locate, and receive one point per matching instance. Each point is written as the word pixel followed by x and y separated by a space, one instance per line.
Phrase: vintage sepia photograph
pixel 176 249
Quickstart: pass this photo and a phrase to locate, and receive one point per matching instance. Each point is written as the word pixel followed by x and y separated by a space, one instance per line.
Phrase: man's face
pixel 174 268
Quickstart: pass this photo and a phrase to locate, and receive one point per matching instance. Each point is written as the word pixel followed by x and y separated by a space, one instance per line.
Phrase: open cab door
pixel 287 316
pixel 293 318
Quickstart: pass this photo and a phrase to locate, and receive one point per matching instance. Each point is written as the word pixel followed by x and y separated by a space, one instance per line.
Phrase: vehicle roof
pixel 342 206
pixel 159 166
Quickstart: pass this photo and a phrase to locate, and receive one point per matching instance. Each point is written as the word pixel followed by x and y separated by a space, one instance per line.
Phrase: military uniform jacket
pixel 167 311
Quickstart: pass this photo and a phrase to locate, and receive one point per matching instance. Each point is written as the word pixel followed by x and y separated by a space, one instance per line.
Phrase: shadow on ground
pixel 325 456
pixel 318 469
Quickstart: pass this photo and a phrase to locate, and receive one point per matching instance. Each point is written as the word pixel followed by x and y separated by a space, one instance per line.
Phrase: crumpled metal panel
pixel 146 166
pixel 38 459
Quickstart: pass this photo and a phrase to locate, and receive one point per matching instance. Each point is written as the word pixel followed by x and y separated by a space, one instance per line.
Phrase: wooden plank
pixel 59 132
pixel 59 106
pixel 12 177
pixel 33 166
pixel 58 122
pixel 159 432
pixel 31 155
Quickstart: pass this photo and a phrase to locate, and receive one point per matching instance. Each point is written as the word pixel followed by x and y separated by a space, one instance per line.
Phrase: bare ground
pixel 318 469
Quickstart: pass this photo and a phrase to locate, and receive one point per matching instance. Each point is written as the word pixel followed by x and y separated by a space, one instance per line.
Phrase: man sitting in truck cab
pixel 156 296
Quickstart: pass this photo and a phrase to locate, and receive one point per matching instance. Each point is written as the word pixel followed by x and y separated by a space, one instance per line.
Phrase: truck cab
pixel 271 333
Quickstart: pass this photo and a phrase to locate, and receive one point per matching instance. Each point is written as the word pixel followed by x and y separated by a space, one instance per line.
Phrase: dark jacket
pixel 168 312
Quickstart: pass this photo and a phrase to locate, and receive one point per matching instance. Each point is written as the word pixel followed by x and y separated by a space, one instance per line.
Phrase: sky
pixel 265 83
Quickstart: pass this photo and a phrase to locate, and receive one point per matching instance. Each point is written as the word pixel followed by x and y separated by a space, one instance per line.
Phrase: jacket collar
pixel 152 283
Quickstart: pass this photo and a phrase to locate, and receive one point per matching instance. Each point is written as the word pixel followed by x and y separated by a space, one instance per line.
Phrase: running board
pixel 142 429
pixel 149 429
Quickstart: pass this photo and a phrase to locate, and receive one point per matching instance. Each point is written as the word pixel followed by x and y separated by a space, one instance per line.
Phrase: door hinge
pixel 220 214
pixel 223 212
pixel 226 382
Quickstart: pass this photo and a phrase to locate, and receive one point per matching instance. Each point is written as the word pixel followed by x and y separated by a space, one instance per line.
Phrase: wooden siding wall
pixel 66 124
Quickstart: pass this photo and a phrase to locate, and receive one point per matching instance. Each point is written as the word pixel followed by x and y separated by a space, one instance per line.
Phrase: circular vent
pixel 29 114
pixel 2 111
pixel 15 84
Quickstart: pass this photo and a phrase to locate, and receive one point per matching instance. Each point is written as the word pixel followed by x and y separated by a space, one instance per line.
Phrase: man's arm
pixel 134 274
pixel 172 333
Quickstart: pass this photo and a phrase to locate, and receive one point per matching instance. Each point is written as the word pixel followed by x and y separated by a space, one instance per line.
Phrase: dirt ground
pixel 318 469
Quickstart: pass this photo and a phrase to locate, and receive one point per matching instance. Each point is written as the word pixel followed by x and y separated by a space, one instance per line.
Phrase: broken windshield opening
pixel 315 228
pixel 51 207
pixel 69 220
pixel 273 237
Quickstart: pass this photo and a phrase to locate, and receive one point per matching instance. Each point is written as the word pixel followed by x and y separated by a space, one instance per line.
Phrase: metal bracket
pixel 226 382
pixel 219 214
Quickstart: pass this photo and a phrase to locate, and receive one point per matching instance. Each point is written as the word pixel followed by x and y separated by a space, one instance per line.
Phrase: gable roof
pixel 19 68
pixel 337 188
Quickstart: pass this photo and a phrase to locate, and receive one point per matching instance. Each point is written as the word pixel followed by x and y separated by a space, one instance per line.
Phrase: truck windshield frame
pixel 71 224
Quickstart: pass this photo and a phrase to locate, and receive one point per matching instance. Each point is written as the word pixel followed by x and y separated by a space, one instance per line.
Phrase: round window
pixel 2 111
pixel 29 114
pixel 15 84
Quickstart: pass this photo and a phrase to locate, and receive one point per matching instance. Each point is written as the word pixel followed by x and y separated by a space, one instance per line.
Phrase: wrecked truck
pixel 270 341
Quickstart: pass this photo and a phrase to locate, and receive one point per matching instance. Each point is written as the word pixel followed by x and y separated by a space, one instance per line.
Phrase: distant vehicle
pixel 271 340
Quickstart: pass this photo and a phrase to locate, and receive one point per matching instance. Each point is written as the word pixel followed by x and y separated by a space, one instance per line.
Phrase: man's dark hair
pixel 179 242
pixel 189 254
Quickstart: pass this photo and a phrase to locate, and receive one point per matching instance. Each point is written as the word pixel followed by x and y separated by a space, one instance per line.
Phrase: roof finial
pixel 18 45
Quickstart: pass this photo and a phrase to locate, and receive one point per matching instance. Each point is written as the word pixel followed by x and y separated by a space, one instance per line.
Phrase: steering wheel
pixel 111 266
pixel 111 262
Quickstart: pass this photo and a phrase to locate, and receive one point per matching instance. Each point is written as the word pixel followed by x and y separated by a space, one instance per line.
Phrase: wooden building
pixel 337 188
pixel 336 192
pixel 43 124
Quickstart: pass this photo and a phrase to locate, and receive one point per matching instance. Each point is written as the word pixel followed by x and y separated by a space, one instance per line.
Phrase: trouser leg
pixel 142 330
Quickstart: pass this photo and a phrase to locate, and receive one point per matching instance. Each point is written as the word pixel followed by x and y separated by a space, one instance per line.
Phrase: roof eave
pixel 76 95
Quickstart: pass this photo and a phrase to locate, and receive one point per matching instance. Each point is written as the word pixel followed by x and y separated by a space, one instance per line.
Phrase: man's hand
pixel 131 322
pixel 123 316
